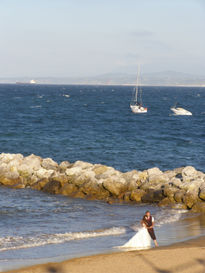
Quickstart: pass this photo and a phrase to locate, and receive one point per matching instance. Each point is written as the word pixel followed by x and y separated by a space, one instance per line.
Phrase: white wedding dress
pixel 141 240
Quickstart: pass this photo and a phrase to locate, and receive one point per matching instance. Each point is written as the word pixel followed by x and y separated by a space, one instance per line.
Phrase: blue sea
pixel 93 124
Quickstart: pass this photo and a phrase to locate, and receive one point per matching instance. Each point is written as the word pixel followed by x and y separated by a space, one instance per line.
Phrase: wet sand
pixel 186 257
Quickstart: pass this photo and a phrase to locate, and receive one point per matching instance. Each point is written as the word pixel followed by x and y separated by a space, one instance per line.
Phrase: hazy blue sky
pixel 91 37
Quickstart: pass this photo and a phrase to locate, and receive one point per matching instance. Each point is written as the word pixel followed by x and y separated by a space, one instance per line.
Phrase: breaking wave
pixel 19 242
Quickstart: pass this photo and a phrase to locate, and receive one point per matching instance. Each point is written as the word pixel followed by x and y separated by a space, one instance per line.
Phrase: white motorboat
pixel 136 102
pixel 179 111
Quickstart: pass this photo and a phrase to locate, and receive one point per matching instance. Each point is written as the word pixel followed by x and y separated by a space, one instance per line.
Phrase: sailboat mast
pixel 137 83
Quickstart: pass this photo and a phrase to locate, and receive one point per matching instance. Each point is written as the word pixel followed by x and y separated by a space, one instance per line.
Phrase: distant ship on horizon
pixel 30 82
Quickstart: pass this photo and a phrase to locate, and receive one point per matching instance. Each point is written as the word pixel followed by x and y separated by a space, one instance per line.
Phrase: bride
pixel 140 240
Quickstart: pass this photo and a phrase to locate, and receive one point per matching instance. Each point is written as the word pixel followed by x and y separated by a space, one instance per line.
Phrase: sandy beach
pixel 181 257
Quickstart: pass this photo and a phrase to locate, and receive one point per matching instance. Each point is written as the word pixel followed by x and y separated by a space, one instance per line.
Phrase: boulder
pixel 202 193
pixel 132 185
pixel 33 162
pixel 52 187
pixel 84 177
pixel 43 173
pixel 49 164
pixel 90 188
pixel 179 196
pixel 136 195
pixel 145 186
pixel 83 165
pixel 148 197
pixel 193 185
pixel 31 180
pixel 189 173
pixel 154 171
pixel 176 182
pixel 40 184
pixel 189 200
pixel 126 197
pixel 152 196
pixel 199 207
pixel 62 178
pixel 25 171
pixel 170 174
pixel 64 165
pixel 165 202
pixel 132 176
pixel 69 189
pixel 3 168
pixel 6 158
pixel 170 192
pixel 73 171
pixel 79 194
pixel 10 178
pixel 158 195
pixel 143 176
pixel 104 172
pixel 156 178
pixel 115 185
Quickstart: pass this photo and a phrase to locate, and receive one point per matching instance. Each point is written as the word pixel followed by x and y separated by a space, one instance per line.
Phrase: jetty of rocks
pixel 179 188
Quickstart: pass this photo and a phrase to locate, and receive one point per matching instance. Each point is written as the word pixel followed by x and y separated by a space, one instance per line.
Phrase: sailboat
pixel 136 102
pixel 179 111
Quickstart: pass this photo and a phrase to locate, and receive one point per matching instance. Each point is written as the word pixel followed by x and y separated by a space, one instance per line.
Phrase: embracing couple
pixel 148 222
pixel 142 239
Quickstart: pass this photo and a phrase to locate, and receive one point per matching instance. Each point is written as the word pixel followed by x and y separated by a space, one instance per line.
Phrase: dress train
pixel 140 240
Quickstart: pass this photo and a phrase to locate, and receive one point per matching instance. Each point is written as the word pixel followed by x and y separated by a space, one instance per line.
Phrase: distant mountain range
pixel 166 78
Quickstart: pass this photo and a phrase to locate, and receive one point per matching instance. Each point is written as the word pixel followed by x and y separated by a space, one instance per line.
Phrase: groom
pixel 148 220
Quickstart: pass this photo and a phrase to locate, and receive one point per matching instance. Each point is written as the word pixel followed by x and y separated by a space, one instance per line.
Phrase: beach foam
pixel 19 242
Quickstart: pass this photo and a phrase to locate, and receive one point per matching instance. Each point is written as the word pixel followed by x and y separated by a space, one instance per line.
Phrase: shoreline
pixel 104 84
pixel 179 257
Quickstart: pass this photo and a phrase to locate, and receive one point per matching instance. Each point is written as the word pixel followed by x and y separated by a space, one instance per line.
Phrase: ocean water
pixel 36 227
pixel 94 124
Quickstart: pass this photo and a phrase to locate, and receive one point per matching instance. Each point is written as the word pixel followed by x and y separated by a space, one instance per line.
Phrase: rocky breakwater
pixel 179 188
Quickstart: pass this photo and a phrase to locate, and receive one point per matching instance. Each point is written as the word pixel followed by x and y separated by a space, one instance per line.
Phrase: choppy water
pixel 93 124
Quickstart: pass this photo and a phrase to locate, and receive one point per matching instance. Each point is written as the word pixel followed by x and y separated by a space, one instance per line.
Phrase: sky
pixel 71 38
